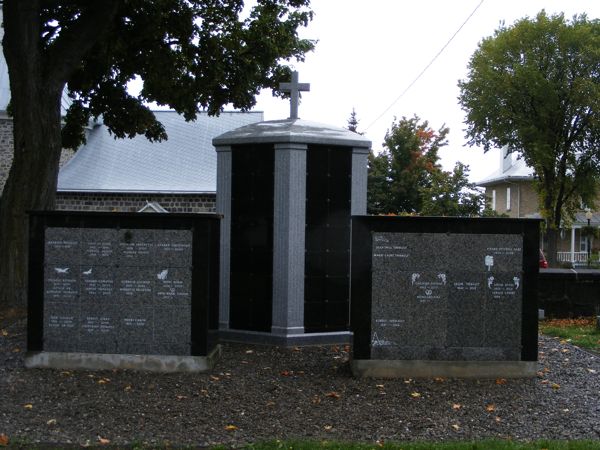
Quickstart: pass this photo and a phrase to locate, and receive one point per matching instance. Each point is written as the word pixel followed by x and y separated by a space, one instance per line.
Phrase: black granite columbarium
pixel 436 296
pixel 123 290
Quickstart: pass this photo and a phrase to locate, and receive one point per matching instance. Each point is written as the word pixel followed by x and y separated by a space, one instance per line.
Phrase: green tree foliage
pixel 534 87
pixel 451 194
pixel 189 54
pixel 406 177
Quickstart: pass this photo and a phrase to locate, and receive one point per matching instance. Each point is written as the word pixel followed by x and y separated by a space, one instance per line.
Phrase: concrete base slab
pixel 374 368
pixel 104 361
pixel 285 340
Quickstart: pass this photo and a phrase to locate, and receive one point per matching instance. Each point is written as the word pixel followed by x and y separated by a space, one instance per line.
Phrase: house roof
pixel 185 163
pixel 517 171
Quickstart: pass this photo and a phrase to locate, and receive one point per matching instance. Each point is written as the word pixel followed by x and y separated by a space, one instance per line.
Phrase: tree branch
pixel 71 45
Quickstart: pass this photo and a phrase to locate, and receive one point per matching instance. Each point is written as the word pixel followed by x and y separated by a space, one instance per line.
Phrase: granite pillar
pixel 223 207
pixel 288 239
pixel 359 181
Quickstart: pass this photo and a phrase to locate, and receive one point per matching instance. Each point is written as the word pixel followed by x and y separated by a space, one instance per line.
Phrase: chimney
pixel 506 160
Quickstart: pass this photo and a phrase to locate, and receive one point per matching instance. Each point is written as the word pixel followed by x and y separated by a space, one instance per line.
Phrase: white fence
pixel 575 258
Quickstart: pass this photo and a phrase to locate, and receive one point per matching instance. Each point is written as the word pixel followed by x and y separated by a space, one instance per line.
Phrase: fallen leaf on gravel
pixel 66 373
pixel 16 350
pixel 456 406
pixel 103 441
pixel 490 408
pixel 328 427
pixel 380 442
pixel 181 397
pixel 333 394
pixel 540 374
pixel 297 349
pixel 213 378
pixel 497 419
pixel 380 386
pixel 565 410
pixel 555 386
pixel 127 388
pixel 456 427
pixel 249 352
pixel 4 333
pixel 591 370
pixel 439 379
pixel 3 440
pixel 408 381
pixel 316 400
pixel 285 373
pixel 270 403
pixel 104 380
pixel 347 348
pixel 28 406
pixel 415 394
pixel 231 427
pixel 545 381
pixel 335 349
pixel 546 369
pixel 565 350
pixel 501 381
pixel 51 422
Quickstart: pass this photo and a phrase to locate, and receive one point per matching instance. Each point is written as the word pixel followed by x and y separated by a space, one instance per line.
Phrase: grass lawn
pixel 581 331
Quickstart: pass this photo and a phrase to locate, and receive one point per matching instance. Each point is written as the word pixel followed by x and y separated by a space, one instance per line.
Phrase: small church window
pixel 508 198
pixel 494 199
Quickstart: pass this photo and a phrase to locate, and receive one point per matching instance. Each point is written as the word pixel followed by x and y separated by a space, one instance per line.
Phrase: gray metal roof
pixel 4 84
pixel 292 131
pixel 519 170
pixel 185 163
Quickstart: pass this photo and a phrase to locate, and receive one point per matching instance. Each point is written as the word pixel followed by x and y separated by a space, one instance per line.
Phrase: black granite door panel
pixel 252 237
pixel 327 265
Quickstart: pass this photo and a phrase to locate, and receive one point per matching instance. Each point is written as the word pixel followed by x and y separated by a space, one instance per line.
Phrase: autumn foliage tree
pixel 189 54
pixel 404 167
pixel 407 178
pixel 534 89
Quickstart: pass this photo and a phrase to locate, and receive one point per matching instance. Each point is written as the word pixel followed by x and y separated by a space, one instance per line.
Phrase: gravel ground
pixel 263 393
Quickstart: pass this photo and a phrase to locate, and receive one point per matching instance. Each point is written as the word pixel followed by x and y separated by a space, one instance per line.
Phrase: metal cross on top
pixel 294 88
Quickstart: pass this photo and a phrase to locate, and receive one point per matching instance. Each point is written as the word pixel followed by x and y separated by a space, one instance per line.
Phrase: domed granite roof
pixel 292 131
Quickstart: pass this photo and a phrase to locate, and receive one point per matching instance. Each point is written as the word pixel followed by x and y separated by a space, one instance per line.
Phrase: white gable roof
pixel 510 169
pixel 185 163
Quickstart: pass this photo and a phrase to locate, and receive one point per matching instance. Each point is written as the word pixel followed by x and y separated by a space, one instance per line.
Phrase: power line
pixel 426 67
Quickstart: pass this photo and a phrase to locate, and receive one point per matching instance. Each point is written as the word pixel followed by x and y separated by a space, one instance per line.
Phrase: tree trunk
pixel 38 73
pixel 552 235
pixel 31 183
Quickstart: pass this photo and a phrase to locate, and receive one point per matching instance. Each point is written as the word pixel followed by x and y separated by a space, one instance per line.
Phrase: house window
pixel 583 243
pixel 508 199
pixel 494 199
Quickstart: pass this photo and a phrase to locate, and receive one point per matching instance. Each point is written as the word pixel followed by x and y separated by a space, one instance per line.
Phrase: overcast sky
pixel 369 52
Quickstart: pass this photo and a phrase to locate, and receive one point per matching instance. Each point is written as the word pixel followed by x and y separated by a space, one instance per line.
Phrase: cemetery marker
pixel 294 88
